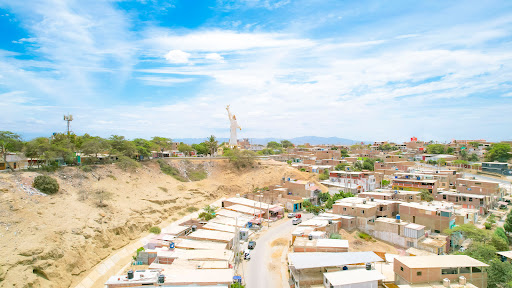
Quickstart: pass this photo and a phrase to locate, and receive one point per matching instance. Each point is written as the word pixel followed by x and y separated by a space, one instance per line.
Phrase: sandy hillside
pixel 52 241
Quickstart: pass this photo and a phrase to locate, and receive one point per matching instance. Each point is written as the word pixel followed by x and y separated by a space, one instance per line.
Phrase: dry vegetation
pixel 54 240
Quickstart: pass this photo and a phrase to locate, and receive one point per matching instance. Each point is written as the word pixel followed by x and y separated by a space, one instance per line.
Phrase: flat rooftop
pixel 507 254
pixel 306 260
pixel 347 277
pixel 440 261
pixel 321 243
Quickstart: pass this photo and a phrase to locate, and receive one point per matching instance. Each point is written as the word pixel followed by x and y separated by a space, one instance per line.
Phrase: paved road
pixel 257 274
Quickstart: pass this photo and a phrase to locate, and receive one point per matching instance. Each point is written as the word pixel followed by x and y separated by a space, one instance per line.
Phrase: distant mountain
pixel 313 140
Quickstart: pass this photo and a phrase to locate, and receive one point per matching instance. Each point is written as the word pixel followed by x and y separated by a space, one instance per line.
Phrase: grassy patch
pixel 171 171
pixel 112 176
pixel 155 230
pixel 127 164
pixel 364 236
pixel 197 175
pixel 192 209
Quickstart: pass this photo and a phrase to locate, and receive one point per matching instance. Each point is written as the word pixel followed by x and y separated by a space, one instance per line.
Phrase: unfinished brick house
pixel 434 216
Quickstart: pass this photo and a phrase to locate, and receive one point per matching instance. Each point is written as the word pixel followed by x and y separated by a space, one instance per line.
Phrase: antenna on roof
pixel 68 118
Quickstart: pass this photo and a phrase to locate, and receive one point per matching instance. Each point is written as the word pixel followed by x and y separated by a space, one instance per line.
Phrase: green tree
pixel 508 223
pixel 441 162
pixel 500 232
pixel 37 148
pixel 498 152
pixel 464 155
pixel 324 175
pixel 344 153
pixel 426 195
pixel 449 150
pixel 341 167
pixel 385 147
pixel 474 157
pixel 200 148
pixel 274 145
pixel 368 164
pixel 212 144
pixel 385 182
pixel 435 149
pixel 241 159
pixel 120 146
pixel 286 144
pixel 95 146
pixel 162 143
pixel 185 149
pixel 475 144
pixel 144 147
pixel 357 166
pixel 9 142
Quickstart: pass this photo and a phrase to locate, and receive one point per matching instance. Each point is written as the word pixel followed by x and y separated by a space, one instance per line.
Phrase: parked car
pixel 296 221
pixel 298 215
pixel 251 245
pixel 291 215
pixel 247 255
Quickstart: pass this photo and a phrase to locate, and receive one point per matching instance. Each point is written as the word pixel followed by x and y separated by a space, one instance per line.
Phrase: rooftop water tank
pixel 161 279
pixel 462 280
pixel 130 274
pixel 446 282
pixel 194 228
pixel 368 266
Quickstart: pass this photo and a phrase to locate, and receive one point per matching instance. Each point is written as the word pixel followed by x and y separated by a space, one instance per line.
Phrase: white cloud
pixel 214 57
pixel 177 56
pixel 509 94
pixel 164 81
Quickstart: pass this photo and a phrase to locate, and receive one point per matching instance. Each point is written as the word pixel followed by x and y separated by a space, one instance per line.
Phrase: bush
pixel 488 225
pixel 192 209
pixel 127 163
pixel 241 159
pixel 197 174
pixel 52 167
pixel 155 230
pixel 46 184
pixel 364 236
pixel 171 171
pixel 86 168
pixel 335 236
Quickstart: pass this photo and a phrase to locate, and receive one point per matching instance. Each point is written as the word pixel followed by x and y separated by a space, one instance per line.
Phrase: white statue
pixel 234 125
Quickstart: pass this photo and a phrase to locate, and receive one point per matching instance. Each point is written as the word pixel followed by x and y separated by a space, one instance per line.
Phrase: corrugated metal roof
pixel 348 277
pixel 305 260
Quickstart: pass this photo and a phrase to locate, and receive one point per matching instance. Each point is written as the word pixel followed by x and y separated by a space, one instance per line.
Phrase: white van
pixel 296 221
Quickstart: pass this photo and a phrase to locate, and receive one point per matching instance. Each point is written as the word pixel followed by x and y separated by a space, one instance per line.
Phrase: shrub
pixel 102 196
pixel 335 236
pixel 52 167
pixel 155 230
pixel 241 159
pixel 112 176
pixel 163 189
pixel 127 163
pixel 86 168
pixel 197 174
pixel 171 171
pixel 192 209
pixel 488 225
pixel 364 236
pixel 46 184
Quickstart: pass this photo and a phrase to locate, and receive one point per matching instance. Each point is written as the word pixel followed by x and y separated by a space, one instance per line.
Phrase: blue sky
pixel 369 70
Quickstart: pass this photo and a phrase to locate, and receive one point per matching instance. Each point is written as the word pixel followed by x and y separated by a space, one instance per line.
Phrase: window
pixel 344 209
pixel 418 273
pixel 476 270
pixel 465 270
pixel 449 271
pixel 444 197
pixel 470 199
pixel 362 211
pixel 401 268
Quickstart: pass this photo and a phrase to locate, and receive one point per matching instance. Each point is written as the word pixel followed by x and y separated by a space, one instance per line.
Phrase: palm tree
pixel 212 144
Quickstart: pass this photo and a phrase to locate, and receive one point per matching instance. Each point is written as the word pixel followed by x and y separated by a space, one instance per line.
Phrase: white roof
pixel 250 203
pixel 415 226
pixel 212 235
pixel 231 214
pixel 219 227
pixel 315 223
pixel 197 276
pixel 245 209
pixel 199 244
pixel 305 260
pixel 175 229
pixel 507 254
pixel 222 220
pixel 339 243
pixel 347 277
pixel 440 261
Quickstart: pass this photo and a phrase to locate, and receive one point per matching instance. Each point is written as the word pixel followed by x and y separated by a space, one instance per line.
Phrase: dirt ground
pixel 52 241
pixel 357 244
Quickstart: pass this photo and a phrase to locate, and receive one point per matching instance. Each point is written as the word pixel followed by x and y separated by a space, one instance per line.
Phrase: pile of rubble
pixel 28 189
